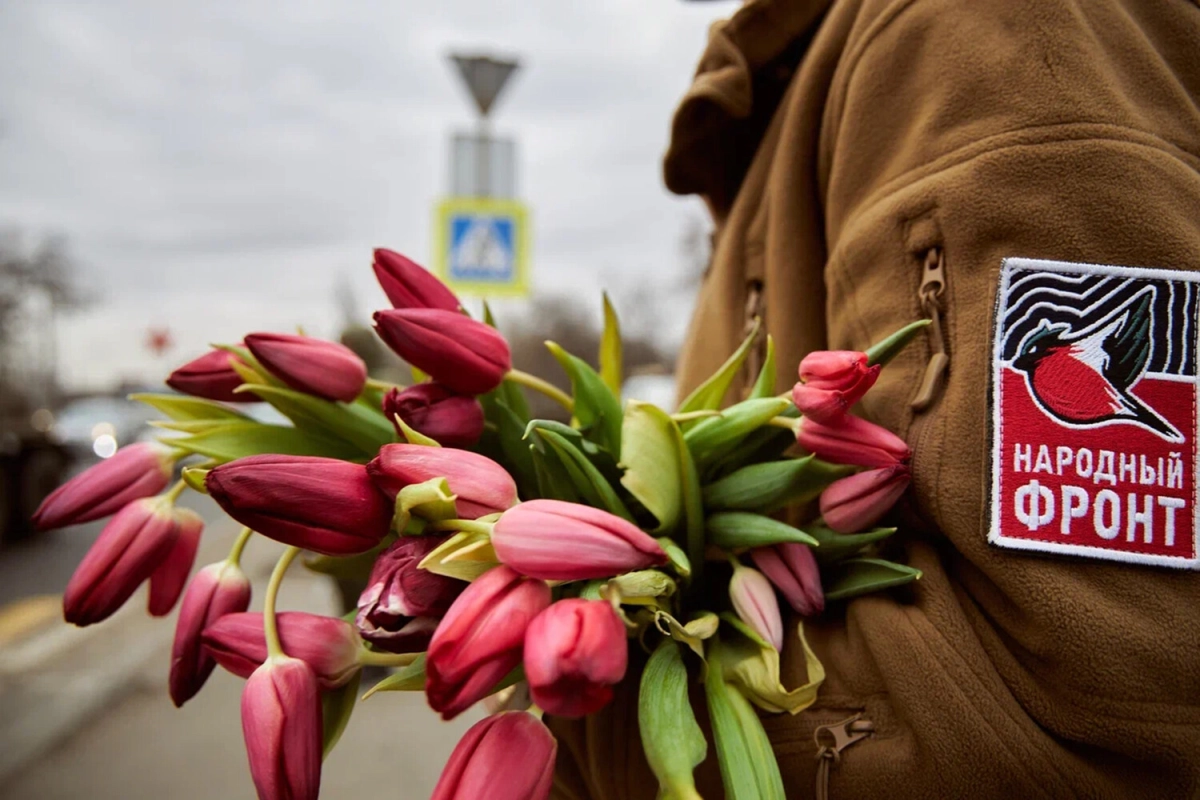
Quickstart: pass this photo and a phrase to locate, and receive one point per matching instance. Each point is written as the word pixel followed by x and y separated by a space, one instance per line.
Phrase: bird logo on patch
pixel 1087 379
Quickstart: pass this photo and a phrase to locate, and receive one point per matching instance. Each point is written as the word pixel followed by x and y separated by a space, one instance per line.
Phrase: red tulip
pixel 401 606
pixel 456 351
pixel 128 550
pixel 167 582
pixel 325 369
pixel 831 382
pixel 453 420
pixel 136 471
pixel 320 504
pixel 558 541
pixel 409 285
pixel 328 645
pixel 508 756
pixel 481 638
pixel 217 590
pixel 575 651
pixel 482 486
pixel 281 722
pixel 754 601
pixel 856 502
pixel 210 376
pixel 793 569
pixel 853 440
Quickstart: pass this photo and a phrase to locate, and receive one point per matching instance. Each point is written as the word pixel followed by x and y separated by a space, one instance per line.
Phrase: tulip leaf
pixel 764 385
pixel 508 391
pixel 510 434
pixel 596 407
pixel 752 664
pixel 413 436
pixel 748 766
pixel 693 505
pixel 678 558
pixel 466 555
pixel 241 439
pixel 601 459
pixel 858 576
pixel 837 546
pixel 772 485
pixel 405 679
pixel 351 568
pixel 183 409
pixel 366 432
pixel 552 483
pixel 191 425
pixel 671 737
pixel 248 367
pixel 884 351
pixel 652 470
pixel 708 395
pixel 734 529
pixel 710 439
pixel 643 587
pixel 593 488
pixel 611 367
pixel 336 707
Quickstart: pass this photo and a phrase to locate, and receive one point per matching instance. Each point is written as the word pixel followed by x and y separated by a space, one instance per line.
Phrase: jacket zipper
pixel 933 286
pixel 831 740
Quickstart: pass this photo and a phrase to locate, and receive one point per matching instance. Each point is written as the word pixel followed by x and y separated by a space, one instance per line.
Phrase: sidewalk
pixel 85 712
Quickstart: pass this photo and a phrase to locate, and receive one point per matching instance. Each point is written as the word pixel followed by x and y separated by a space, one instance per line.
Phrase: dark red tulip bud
pixel 217 590
pixel 210 376
pixel 137 471
pixel 401 606
pixel 281 721
pixel 456 351
pixel 167 582
pixel 326 369
pixel 409 285
pixel 453 420
pixel 508 756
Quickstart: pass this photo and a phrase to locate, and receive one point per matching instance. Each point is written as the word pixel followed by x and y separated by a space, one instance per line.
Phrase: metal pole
pixel 483 155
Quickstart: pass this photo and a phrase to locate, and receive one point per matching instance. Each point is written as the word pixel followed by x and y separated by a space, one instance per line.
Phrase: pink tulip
pixel 508 756
pixel 856 502
pixel 831 382
pixel 281 722
pixel 793 569
pixel 409 285
pixel 558 541
pixel 755 603
pixel 210 376
pixel 128 550
pixel 452 420
pixel 458 352
pixel 401 606
pixel 853 440
pixel 321 504
pixel 482 486
pixel 481 638
pixel 328 645
pixel 136 471
pixel 325 369
pixel 575 651
pixel 167 582
pixel 217 590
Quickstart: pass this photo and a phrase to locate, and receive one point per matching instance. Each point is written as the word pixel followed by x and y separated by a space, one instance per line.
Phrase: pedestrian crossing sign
pixel 482 246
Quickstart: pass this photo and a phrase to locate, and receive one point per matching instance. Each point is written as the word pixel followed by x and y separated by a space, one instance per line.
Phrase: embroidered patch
pixel 1094 381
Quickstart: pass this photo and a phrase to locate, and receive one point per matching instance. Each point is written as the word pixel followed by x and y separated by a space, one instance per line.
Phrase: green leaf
pixel 413 436
pixel 552 483
pixel 596 407
pixel 708 395
pixel 764 386
pixel 406 679
pixel 241 439
pixel 710 439
pixel 183 409
pixel 835 546
pixel 508 391
pixel 736 529
pixel 884 351
pixel 693 506
pixel 678 558
pixel 752 664
pixel 611 368
pixel 592 487
pixel 367 432
pixel 771 486
pixel 509 434
pixel 466 555
pixel 652 471
pixel 748 766
pixel 671 737
pixel 858 576
pixel 643 587
pixel 600 459
pixel 336 707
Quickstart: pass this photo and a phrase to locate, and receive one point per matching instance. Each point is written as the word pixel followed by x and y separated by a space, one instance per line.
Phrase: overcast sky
pixel 218 165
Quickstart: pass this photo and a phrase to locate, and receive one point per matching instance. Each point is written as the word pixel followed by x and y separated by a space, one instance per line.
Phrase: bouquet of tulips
pixel 504 558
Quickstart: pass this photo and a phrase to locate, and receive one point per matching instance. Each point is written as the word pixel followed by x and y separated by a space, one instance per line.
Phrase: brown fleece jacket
pixel 837 143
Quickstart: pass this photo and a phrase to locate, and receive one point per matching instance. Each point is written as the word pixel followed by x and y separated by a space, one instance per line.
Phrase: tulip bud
pixel 831 382
pixel 481 485
pixel 167 582
pixel 558 541
pixel 481 638
pixel 793 569
pixel 128 550
pixel 575 651
pixel 400 608
pixel 217 590
pixel 409 285
pixel 136 471
pixel 453 420
pixel 455 350
pixel 856 502
pixel 508 756
pixel 754 601
pixel 210 376
pixel 853 440
pixel 329 645
pixel 281 722
pixel 321 504
pixel 325 369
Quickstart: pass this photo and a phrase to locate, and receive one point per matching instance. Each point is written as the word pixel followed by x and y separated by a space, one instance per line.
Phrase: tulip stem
pixel 792 425
pixel 545 387
pixel 688 416
pixel 270 628
pixel 371 658
pixel 175 491
pixel 382 386
pixel 235 554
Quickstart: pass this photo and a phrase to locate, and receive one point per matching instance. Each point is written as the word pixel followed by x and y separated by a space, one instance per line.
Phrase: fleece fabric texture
pixel 835 143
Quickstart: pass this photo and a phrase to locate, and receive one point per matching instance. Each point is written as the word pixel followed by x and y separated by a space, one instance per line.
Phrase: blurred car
pixel 95 427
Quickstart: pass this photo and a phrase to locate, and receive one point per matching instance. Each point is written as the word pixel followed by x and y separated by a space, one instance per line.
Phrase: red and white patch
pixel 1094 395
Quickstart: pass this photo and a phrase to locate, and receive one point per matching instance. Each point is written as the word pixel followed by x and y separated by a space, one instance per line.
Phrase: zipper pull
pixel 842 735
pixel 933 284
